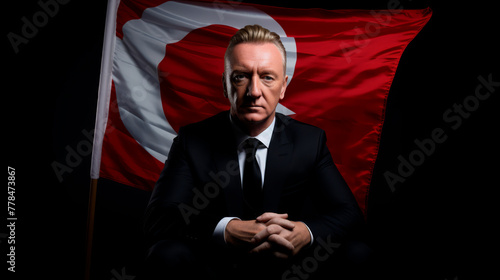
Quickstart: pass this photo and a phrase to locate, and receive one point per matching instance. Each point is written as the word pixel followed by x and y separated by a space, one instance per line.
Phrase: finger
pixel 277 245
pixel 269 215
pixel 279 241
pixel 281 255
pixel 265 246
pixel 265 233
pixel 281 222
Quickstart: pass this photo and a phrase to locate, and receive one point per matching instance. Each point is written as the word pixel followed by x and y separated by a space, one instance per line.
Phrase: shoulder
pixel 214 124
pixel 202 137
pixel 296 127
pixel 311 138
pixel 309 141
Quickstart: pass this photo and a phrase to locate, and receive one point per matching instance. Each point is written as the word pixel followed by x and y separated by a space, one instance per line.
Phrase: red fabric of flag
pixel 341 66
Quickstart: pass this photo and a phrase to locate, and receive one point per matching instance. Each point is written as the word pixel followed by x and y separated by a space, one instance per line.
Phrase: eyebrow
pixel 242 69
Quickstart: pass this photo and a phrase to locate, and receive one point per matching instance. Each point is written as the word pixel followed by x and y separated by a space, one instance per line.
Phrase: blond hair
pixel 255 34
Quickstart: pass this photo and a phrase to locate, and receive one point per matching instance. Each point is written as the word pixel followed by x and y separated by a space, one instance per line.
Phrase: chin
pixel 253 117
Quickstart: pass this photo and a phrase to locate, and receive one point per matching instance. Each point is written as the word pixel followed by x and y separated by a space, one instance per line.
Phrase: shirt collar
pixel 264 137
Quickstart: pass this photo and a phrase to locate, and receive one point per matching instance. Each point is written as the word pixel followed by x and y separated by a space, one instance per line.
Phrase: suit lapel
pixel 278 156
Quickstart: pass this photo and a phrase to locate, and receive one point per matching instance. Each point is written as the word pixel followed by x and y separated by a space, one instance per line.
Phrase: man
pixel 249 192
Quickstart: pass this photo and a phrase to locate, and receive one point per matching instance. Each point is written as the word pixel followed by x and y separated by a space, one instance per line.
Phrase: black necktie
pixel 252 179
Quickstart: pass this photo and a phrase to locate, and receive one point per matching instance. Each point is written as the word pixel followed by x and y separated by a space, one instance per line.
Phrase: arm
pixel 173 212
pixel 337 214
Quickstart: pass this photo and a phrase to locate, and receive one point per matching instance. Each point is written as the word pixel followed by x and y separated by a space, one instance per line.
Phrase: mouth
pixel 251 106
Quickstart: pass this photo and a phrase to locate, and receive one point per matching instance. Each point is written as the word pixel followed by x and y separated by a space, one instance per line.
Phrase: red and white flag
pixel 162 67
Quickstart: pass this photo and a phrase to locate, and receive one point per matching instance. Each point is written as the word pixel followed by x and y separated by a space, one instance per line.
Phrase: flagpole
pixel 90 226
pixel 105 85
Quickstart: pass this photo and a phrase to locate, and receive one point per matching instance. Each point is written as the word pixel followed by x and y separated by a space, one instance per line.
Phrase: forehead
pixel 256 55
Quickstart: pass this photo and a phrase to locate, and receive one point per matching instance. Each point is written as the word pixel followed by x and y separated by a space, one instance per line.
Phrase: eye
pixel 238 77
pixel 268 78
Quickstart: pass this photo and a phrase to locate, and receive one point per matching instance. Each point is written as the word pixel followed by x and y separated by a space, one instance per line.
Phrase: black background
pixel 438 224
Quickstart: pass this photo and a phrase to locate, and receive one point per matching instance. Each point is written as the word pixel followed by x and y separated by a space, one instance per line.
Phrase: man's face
pixel 254 82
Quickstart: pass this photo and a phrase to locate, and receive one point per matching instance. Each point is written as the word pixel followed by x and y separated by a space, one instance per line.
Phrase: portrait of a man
pixel 282 190
pixel 231 139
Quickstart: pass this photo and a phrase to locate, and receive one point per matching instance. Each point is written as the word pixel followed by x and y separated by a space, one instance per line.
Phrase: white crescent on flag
pixel 138 55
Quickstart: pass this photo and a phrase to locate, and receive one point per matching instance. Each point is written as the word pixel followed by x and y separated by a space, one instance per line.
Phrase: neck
pixel 253 128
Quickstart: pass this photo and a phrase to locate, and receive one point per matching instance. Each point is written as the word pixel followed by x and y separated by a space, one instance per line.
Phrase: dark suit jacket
pixel 201 184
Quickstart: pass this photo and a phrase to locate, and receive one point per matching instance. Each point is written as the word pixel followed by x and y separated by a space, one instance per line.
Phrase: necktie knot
pixel 250 146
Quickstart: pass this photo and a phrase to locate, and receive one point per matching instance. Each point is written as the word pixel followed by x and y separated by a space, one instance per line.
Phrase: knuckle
pixel 273 238
pixel 272 221
pixel 273 229
pixel 261 227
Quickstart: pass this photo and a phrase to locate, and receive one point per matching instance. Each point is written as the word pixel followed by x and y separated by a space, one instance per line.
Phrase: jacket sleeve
pixel 174 210
pixel 337 213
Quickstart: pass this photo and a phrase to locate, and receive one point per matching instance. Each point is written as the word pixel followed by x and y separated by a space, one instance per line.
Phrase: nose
pixel 254 89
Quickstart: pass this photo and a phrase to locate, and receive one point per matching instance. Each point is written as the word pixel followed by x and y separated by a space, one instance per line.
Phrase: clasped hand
pixel 270 233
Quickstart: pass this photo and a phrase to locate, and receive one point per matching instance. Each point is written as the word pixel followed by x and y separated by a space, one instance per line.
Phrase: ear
pixel 224 85
pixel 283 88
